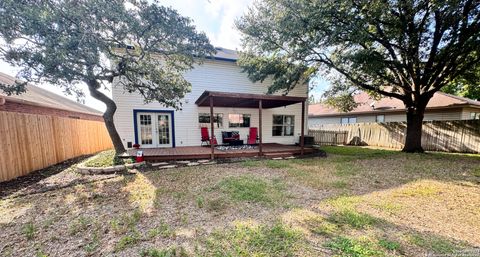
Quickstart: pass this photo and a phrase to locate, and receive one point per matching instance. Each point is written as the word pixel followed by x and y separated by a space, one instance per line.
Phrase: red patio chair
pixel 252 136
pixel 206 138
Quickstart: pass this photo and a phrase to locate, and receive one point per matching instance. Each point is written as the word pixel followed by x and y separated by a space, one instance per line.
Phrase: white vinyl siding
pixel 221 76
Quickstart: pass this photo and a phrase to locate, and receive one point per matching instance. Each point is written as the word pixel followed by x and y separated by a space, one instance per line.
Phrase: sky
pixel 214 17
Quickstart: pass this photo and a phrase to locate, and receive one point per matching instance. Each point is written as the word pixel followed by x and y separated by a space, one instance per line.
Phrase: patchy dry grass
pixel 355 202
pixel 106 159
pixel 246 239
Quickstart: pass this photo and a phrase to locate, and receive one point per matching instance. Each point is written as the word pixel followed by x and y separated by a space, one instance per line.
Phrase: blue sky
pixel 214 17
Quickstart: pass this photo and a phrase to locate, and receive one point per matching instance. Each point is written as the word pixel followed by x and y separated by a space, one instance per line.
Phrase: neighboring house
pixel 40 101
pixel 236 108
pixel 442 106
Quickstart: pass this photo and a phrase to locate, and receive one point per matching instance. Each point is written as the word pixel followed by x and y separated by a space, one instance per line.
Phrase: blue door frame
pixel 135 128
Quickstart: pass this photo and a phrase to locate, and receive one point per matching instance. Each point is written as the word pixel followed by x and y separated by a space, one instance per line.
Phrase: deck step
pixel 277 154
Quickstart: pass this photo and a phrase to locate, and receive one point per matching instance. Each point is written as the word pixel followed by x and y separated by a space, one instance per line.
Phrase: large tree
pixel 143 46
pixel 405 49
pixel 466 85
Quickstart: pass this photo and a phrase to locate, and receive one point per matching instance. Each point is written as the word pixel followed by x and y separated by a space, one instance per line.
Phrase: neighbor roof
pixel 367 104
pixel 41 97
pixel 225 54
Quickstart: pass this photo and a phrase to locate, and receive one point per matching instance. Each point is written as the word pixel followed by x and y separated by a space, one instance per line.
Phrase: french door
pixel 154 129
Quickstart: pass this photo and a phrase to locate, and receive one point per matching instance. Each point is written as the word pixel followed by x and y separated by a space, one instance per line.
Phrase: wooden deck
pixel 199 152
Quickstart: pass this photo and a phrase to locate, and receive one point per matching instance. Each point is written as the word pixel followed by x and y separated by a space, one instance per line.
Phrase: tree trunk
pixel 413 140
pixel 93 87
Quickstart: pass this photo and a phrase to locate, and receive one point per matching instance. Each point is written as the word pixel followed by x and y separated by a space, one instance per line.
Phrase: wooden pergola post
pixel 260 152
pixel 212 130
pixel 302 133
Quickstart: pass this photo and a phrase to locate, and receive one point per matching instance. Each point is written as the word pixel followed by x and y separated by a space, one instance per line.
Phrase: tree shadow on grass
pixel 44 179
pixel 130 213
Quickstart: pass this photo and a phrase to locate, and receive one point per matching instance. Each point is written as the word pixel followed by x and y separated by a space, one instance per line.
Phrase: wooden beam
pixel 260 152
pixel 302 133
pixel 212 130
pixel 229 99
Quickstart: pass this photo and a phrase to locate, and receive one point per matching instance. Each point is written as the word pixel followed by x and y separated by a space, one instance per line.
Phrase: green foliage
pixel 142 46
pixel 354 248
pixel 93 244
pixel 467 85
pixel 244 240
pixel 163 230
pixel 29 230
pixel 127 240
pixel 352 218
pixel 200 201
pixel 276 164
pixel 106 159
pixel 251 189
pixel 476 172
pixel 320 226
pixel 217 204
pixel 250 163
pixel 169 252
pixel 358 152
pixel 402 49
pixel 389 245
pixel 433 243
pixel 125 222
pixel 83 35
pixel 80 224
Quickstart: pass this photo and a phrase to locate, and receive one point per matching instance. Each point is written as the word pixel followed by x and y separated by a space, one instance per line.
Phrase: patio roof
pixel 244 100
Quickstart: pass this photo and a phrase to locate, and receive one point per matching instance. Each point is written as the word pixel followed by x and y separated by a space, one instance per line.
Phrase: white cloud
pixel 228 35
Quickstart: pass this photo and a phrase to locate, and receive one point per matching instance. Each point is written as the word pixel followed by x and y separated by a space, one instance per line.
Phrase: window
pixel 204 120
pixel 475 115
pixel 239 120
pixel 348 120
pixel 380 118
pixel 283 125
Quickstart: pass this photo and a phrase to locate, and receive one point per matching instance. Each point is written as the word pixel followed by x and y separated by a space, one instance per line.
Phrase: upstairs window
pixel 204 120
pixel 283 125
pixel 348 120
pixel 238 120
pixel 380 118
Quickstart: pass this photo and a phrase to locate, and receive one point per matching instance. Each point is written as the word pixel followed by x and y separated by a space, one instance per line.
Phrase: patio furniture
pixel 235 142
pixel 228 136
pixel 252 137
pixel 206 137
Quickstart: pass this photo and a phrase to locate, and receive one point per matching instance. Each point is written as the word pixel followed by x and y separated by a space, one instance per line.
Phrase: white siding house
pixel 219 74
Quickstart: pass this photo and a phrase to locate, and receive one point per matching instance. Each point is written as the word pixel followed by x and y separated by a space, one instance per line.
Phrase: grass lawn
pixel 355 202
pixel 105 159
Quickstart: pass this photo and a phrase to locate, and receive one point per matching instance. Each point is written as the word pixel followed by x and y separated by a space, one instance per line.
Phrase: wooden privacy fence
pixel 448 136
pixel 30 142
pixel 326 137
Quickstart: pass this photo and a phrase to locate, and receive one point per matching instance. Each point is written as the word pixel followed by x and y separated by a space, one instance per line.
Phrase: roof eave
pixel 454 106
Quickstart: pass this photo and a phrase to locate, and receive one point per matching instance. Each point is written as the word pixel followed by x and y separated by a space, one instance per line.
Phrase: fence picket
pixel 31 142
pixel 449 136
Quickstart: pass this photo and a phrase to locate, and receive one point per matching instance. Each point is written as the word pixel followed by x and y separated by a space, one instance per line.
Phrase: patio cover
pixel 258 101
pixel 244 100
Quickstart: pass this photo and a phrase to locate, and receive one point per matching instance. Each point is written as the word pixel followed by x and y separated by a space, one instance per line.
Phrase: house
pixel 40 101
pixel 218 86
pixel 442 106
